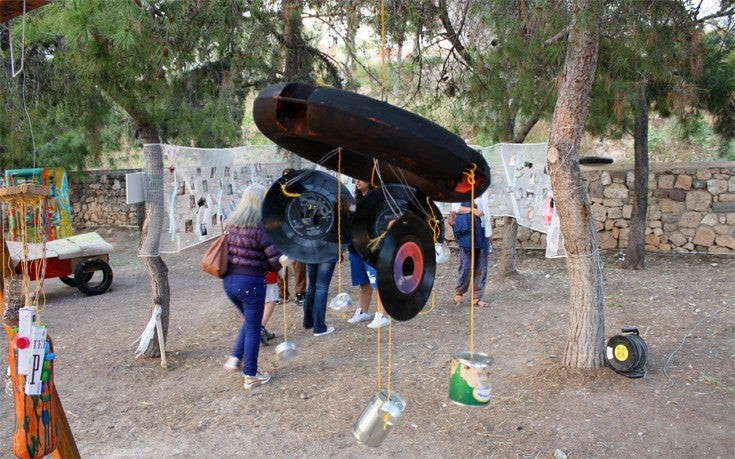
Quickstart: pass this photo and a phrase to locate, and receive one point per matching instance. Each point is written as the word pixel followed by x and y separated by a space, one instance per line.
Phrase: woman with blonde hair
pixel 249 256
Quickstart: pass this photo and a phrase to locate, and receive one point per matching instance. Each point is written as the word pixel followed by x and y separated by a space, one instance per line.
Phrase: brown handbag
pixel 215 259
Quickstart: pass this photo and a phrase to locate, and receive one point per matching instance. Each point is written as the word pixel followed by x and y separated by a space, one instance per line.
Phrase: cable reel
pixel 627 354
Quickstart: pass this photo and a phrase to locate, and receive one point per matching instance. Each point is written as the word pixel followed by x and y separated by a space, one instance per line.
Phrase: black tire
pixel 70 280
pixel 84 273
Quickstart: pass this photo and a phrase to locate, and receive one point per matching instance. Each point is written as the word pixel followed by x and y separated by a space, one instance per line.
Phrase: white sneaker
pixel 326 332
pixel 379 321
pixel 359 317
pixel 259 379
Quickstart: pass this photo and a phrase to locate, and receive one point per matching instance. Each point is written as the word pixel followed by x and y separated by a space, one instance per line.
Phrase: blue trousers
pixel 482 256
pixel 317 290
pixel 248 295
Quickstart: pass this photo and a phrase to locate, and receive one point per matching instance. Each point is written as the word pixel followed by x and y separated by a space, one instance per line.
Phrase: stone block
pixel 605 178
pixel 683 182
pixel 727 197
pixel 652 240
pixel 664 247
pixel 677 195
pixel 719 249
pixel 666 181
pixel 612 202
pixel 710 220
pixel 616 190
pixel 699 185
pixel 627 211
pixel 655 224
pixel 716 186
pixel 666 205
pixel 658 231
pixel 688 246
pixel 609 224
pixel 698 200
pixel 731 184
pixel 725 240
pixel 688 232
pixel 623 237
pixel 599 212
pixel 690 219
pixel 703 174
pixel 659 193
pixel 705 236
pixel 606 240
pixel 614 212
pixel 618 176
pixel 596 189
pixel 622 223
pixel 723 229
pixel 524 233
pixel 670 218
pixel 723 206
pixel 654 214
pixel 677 239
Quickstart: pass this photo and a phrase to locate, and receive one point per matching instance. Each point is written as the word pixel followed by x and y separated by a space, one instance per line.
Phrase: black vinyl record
pixel 302 221
pixel 384 204
pixel 406 267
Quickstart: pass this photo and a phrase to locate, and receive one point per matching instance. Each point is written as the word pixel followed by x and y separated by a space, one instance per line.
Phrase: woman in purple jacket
pixel 249 256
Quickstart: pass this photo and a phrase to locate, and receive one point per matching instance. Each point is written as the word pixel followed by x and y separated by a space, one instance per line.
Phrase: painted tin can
pixel 378 418
pixel 469 381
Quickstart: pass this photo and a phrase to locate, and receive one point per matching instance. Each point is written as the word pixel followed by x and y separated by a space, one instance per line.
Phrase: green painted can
pixel 469 382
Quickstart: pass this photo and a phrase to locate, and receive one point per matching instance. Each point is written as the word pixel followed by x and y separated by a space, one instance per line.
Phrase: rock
pixel 716 186
pixel 704 236
pixel 559 454
pixel 690 219
pixel 666 181
pixel 723 206
pixel 725 240
pixel 698 200
pixel 683 182
pixel 616 190
pixel 605 178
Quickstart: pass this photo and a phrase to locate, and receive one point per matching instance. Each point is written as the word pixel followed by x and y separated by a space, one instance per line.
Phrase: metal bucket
pixel 341 302
pixel 469 381
pixel 286 351
pixel 378 418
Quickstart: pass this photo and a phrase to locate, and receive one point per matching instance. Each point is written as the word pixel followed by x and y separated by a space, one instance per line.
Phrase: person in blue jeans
pixel 317 291
pixel 249 256
pixel 479 212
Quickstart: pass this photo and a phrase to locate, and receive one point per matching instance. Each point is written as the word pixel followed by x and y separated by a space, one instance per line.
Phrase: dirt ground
pixel 120 406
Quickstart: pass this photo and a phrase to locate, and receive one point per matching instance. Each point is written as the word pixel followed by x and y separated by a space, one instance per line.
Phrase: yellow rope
pixel 287 193
pixel 374 242
pixel 283 304
pixel 372 174
pixel 471 181
pixel 433 303
pixel 390 348
pixel 380 384
pixel 433 222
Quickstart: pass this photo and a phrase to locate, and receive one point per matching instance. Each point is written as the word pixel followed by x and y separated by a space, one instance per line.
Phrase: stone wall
pixel 98 198
pixel 691 206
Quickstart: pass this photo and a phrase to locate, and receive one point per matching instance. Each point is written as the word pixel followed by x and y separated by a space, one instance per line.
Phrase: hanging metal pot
pixel 380 415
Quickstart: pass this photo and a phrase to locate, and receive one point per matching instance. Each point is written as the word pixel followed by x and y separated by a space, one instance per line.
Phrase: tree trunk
pixel 297 65
pixel 585 340
pixel 151 232
pixel 508 253
pixel 635 255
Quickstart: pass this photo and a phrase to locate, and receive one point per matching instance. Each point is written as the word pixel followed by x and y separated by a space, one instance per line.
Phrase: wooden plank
pixel 12 8
pixel 27 192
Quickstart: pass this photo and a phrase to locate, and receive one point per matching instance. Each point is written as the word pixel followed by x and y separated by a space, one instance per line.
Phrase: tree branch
pixel 559 36
pixel 452 34
pixel 523 133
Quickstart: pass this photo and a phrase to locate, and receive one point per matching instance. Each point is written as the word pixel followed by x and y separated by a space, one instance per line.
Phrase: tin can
pixel 378 418
pixel 469 381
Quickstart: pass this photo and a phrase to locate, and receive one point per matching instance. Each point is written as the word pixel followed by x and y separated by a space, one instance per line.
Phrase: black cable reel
pixel 627 353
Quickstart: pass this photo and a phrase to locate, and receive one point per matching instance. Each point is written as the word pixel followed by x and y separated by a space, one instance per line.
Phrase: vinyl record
pixel 302 222
pixel 406 266
pixel 382 205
